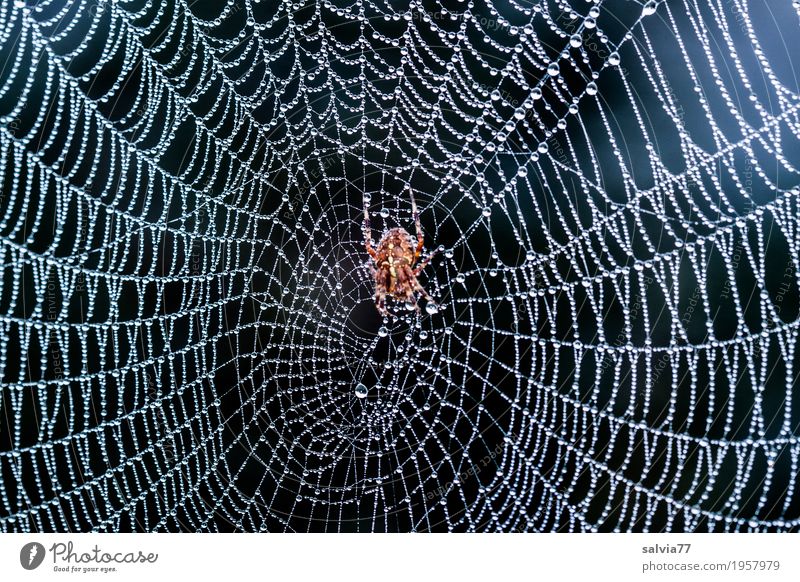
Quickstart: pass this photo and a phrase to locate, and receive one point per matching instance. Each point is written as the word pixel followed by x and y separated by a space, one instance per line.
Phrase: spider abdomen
pixel 395 264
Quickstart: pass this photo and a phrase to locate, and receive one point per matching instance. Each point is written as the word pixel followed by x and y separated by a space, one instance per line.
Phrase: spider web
pixel 189 338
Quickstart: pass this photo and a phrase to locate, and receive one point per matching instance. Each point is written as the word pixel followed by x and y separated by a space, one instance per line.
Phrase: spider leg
pixel 381 289
pixel 380 300
pixel 368 233
pixel 424 263
pixel 415 286
pixel 421 289
pixel 420 236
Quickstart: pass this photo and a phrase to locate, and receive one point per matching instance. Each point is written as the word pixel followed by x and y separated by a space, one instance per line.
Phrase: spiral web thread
pixel 189 337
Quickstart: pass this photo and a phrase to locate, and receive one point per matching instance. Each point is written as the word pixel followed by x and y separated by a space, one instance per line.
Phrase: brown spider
pixel 394 270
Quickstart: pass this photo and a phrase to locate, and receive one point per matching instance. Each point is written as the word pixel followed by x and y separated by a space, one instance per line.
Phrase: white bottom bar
pixel 349 557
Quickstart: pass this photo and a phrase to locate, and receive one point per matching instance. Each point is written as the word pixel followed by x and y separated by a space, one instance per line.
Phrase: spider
pixel 395 258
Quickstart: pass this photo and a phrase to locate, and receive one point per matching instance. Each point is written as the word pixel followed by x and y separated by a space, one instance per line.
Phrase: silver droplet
pixel 432 308
pixel 361 391
pixel 649 8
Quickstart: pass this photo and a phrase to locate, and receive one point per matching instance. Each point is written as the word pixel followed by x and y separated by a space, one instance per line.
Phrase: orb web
pixel 189 335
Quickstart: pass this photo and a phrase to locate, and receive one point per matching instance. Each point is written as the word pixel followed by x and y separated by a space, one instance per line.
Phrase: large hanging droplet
pixel 649 8
pixel 361 390
pixel 553 70
pixel 431 308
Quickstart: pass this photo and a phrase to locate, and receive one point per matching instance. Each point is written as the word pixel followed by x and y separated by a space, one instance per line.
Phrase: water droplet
pixel 649 8
pixel 410 305
pixel 553 70
pixel 487 211
pixel 384 213
pixel 613 59
pixel 536 93
pixel 591 88
pixel 522 172
pixel 460 278
pixel 575 40
pixel 361 391
pixel 432 308
pixel 383 332
pixel 423 335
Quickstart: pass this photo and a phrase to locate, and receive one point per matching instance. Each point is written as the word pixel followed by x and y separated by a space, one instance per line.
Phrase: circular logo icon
pixel 31 555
